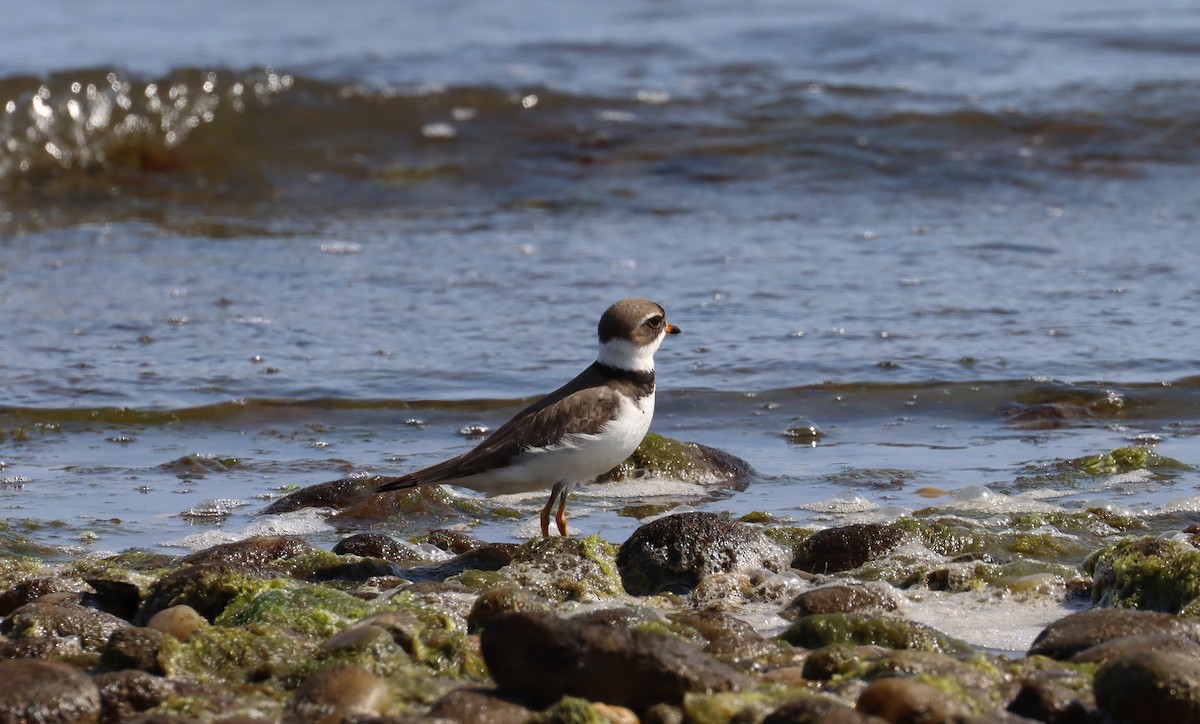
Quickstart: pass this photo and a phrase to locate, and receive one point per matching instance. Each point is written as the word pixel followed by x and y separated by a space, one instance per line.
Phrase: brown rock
pixel 334 693
pixel 47 692
pixel 544 658
pixel 479 706
pixel 252 552
pixel 126 693
pixel 839 598
pixel 907 701
pixel 1150 687
pixel 134 648
pixel 844 548
pixel 1071 634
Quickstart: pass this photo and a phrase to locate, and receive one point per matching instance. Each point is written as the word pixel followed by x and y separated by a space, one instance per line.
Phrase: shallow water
pixel 282 247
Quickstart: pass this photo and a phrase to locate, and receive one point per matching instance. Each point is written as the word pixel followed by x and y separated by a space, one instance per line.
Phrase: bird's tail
pixel 401 483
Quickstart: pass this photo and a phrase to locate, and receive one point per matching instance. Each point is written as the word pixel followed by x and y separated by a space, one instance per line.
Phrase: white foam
pixel 988 620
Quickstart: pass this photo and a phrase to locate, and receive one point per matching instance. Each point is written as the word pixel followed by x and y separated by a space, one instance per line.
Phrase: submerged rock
pixel 544 658
pixel 675 552
pixel 662 457
pixel 376 545
pixel 846 547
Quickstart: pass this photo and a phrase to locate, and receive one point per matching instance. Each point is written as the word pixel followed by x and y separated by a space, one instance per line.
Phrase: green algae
pixel 570 710
pixel 306 609
pixel 664 457
pixel 251 654
pixel 557 569
pixel 1125 459
pixel 1147 573
pixel 825 629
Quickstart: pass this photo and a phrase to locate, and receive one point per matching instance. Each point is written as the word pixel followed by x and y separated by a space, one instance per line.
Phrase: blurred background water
pixel 251 246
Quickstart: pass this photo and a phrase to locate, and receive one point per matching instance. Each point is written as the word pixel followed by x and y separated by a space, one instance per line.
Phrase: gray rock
pixel 844 548
pixel 47 692
pixel 675 552
pixel 1071 634
pixel 543 658
pixel 1150 686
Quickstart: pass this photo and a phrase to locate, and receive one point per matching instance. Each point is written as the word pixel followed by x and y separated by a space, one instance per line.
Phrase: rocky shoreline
pixel 695 618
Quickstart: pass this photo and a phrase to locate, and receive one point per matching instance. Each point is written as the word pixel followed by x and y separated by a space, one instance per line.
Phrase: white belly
pixel 577 459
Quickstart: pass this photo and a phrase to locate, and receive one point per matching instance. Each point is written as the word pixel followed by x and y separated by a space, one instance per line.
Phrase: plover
pixel 580 431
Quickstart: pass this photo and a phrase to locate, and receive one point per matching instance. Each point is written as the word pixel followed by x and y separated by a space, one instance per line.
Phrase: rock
pixel 120 598
pixel 908 700
pixel 1146 573
pixel 134 648
pixel 46 691
pixel 488 557
pixel 30 590
pixel 1058 696
pixel 1150 687
pixel 207 588
pixel 126 693
pixel 839 660
pixel 840 598
pixel 376 545
pixel 819 710
pixel 497 601
pixel 452 541
pixel 179 621
pixel 729 639
pixel 1106 651
pixel 479 706
pixel 844 548
pixel 826 629
pixel 661 457
pixel 544 658
pixel 335 693
pixel 336 494
pixel 254 552
pixel 40 619
pixel 1071 634
pixel 558 569
pixel 675 552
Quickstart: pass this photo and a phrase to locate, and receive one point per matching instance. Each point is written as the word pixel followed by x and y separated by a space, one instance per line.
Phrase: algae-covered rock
pixel 557 569
pixel 675 552
pixel 256 552
pixel 896 699
pixel 207 588
pixel 506 599
pixel 662 457
pixel 91 628
pixel 254 654
pixel 306 608
pixel 1151 574
pixel 840 598
pixel 821 630
pixel 1125 459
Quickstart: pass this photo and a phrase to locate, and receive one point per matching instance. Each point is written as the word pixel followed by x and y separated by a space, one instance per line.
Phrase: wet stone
pixel 898 699
pixel 206 587
pixel 376 545
pixel 480 706
pixel 29 591
pixel 676 552
pixel 126 693
pixel 336 494
pixel 819 710
pixel 1072 634
pixel 46 691
pixel 1104 652
pixel 134 648
pixel 839 598
pixel 825 629
pixel 503 600
pixel 544 658
pixel 336 693
pixel 252 552
pixel 488 557
pixel 1150 686
pixel 1058 696
pixel 40 619
pixel 846 547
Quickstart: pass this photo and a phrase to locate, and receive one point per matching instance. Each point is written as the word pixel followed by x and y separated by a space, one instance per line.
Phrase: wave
pixel 1032 404
pixel 100 139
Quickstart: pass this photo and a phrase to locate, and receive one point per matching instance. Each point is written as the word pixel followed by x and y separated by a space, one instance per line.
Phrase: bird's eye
pixel 655 321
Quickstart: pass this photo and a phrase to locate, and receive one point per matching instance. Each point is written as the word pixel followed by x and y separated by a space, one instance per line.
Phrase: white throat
pixel 624 355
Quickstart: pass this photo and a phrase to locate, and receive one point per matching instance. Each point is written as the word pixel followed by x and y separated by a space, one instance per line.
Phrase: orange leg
pixel 561 518
pixel 559 494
